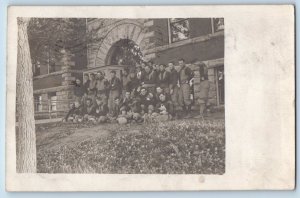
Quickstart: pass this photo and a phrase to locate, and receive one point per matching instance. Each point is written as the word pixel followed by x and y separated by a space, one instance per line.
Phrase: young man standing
pixel 125 81
pixel 185 75
pixel 102 85
pixel 149 79
pixel 204 87
pixel 174 88
pixel 92 87
pixel 163 79
pixel 78 90
pixel 114 91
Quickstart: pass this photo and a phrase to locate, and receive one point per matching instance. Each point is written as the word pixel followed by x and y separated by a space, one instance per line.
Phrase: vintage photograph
pixel 134 98
pixel 120 96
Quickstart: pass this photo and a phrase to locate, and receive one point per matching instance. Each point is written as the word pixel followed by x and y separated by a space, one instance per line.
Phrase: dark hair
pixel 88 99
pixel 101 73
pixel 172 62
pixel 86 74
pixel 92 74
pixel 162 65
pixel 113 72
pixel 181 59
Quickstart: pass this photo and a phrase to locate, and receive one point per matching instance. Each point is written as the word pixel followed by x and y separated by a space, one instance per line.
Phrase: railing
pixel 48 109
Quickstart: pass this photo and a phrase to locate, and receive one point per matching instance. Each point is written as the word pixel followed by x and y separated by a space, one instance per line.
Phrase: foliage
pixel 48 36
pixel 126 52
pixel 176 147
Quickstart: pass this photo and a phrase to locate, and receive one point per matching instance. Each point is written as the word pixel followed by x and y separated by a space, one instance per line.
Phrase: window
pixel 218 24
pixel 179 29
pixel 37 68
pixel 38 103
pixel 53 101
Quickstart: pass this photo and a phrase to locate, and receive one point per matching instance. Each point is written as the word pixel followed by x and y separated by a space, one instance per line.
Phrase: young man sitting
pixel 159 91
pixel 89 111
pixel 126 100
pixel 101 110
pixel 75 113
pixel 165 108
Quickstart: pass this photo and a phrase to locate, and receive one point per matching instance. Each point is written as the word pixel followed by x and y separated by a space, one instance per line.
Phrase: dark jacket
pixel 164 78
pixel 150 78
pixel 89 110
pixel 86 86
pixel 78 90
pixel 126 102
pixel 101 110
pixel 185 74
pixel 174 77
pixel 132 84
pixel 115 84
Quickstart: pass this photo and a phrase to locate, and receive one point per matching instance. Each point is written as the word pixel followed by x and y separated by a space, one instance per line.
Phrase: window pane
pixel 38 103
pixel 53 103
pixel 180 30
pixel 218 24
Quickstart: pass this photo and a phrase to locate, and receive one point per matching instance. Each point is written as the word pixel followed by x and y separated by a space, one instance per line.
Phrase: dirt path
pixel 53 138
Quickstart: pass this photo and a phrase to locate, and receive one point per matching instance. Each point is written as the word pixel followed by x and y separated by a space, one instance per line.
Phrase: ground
pixel 187 146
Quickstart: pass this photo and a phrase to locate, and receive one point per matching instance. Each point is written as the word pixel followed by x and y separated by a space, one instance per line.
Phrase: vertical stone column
pixel 151 38
pixel 45 102
pixel 212 94
pixel 65 96
pixel 196 85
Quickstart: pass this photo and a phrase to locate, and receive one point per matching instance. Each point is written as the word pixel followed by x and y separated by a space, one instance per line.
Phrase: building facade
pixel 158 40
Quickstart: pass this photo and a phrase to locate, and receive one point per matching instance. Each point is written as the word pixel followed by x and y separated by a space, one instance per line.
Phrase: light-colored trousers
pixel 184 95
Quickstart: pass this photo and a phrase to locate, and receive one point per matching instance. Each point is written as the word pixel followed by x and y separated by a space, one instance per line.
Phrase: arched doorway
pixel 124 52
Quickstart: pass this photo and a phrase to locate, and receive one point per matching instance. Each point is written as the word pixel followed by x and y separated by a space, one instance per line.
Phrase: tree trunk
pixel 26 140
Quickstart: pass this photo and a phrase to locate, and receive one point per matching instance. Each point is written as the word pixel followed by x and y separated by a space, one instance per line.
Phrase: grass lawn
pixel 175 147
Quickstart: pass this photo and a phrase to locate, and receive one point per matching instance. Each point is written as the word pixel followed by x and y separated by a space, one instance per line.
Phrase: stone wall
pixel 105 32
pixel 212 95
pixel 61 83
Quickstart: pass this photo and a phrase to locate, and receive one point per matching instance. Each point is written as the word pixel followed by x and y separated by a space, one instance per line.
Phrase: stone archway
pixel 124 52
pixel 129 31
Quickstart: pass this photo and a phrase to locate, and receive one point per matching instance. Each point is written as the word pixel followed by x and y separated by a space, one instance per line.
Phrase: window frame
pixel 38 103
pixel 213 25
pixel 170 30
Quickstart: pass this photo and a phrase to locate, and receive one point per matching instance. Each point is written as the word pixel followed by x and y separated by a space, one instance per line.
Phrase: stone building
pixel 158 40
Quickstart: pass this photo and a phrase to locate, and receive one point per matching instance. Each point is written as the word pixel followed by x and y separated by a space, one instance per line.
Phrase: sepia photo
pixel 139 98
pixel 124 95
